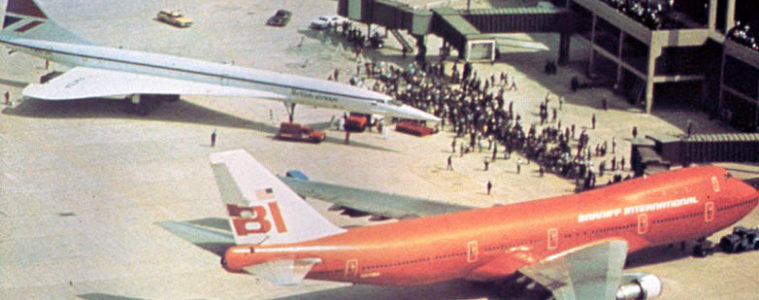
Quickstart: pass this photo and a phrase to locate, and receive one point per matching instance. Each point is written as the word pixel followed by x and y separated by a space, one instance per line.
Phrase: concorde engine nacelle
pixel 639 286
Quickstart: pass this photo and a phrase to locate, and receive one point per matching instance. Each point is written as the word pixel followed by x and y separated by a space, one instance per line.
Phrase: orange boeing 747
pixel 575 246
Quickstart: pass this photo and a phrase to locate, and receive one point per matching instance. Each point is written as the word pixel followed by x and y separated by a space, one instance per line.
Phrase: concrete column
pixel 592 42
pixel 730 15
pixel 622 36
pixel 654 51
pixel 564 39
pixel 712 15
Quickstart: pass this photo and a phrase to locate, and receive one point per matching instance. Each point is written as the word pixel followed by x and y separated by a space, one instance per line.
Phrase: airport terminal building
pixel 676 51
pixel 693 53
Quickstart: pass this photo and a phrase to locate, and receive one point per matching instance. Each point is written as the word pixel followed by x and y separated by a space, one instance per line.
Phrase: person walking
pixel 489 187
pixel 213 138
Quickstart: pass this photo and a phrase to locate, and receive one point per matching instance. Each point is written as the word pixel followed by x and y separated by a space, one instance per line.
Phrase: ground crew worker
pixel 213 138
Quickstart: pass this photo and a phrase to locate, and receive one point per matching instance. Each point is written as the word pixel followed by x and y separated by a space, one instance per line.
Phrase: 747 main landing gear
pixel 143 104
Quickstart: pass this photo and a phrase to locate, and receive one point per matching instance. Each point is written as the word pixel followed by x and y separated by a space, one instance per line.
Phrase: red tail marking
pixel 258 215
pixel 277 216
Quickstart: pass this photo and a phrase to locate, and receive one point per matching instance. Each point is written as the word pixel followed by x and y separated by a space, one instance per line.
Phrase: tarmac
pixel 84 183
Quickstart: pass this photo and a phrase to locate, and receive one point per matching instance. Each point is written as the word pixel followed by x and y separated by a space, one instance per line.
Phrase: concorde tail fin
pixel 25 19
pixel 262 209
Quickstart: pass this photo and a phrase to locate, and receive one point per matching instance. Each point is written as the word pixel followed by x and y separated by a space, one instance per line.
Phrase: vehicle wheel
pixel 730 243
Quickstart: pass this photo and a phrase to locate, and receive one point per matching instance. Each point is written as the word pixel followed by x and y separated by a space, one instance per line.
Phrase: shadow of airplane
pixel 13 83
pixel 457 289
pixel 178 111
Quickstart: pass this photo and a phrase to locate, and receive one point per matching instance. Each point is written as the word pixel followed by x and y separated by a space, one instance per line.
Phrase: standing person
pixel 519 165
pixel 635 132
pixel 381 128
pixel 593 121
pixel 213 138
pixel 541 171
pixel 489 187
pixel 495 151
pixel 622 164
pixel 690 127
pixel 450 163
pixel 561 101
pixel 573 131
pixel 487 164
pixel 513 85
pixel 604 103
pixel 453 146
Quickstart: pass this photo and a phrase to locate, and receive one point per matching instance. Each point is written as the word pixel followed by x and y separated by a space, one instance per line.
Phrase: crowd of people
pixel 476 109
pixel 742 34
pixel 647 12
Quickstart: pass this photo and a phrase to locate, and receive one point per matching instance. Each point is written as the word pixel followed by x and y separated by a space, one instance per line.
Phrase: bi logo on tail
pixel 253 219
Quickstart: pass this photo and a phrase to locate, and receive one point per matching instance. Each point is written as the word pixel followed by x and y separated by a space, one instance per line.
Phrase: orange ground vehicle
pixel 298 132
pixel 356 122
pixel 415 128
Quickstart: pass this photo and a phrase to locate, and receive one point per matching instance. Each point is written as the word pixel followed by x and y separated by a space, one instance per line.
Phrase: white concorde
pixel 98 71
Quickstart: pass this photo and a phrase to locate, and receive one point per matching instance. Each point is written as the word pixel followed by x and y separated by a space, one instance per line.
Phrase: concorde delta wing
pixel 376 203
pixel 590 272
pixel 84 82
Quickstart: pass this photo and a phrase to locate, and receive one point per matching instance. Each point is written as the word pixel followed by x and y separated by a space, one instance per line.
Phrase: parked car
pixel 324 22
pixel 280 18
pixel 174 17
pixel 297 132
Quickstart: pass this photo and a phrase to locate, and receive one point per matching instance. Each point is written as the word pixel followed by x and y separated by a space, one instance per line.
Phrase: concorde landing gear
pixel 290 107
pixel 144 104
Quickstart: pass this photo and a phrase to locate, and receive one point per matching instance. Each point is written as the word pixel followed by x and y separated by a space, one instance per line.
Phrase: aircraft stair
pixel 401 39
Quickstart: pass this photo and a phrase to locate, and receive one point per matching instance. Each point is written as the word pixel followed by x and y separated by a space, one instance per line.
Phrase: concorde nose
pixel 417 114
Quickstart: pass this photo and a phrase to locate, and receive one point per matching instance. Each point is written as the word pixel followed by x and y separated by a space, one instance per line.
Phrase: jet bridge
pixel 472 32
pixel 664 150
